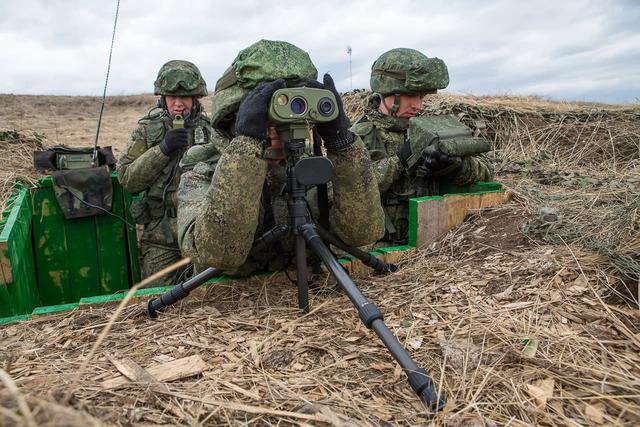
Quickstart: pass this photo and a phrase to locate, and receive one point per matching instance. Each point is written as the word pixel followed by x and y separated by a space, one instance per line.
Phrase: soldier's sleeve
pixel 387 171
pixel 356 215
pixel 217 219
pixel 474 168
pixel 139 167
pixel 386 168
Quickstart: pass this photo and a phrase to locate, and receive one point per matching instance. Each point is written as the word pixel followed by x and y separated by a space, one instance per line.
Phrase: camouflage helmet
pixel 405 70
pixel 180 78
pixel 265 60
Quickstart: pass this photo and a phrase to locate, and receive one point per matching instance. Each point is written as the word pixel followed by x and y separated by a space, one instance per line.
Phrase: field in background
pixel 526 314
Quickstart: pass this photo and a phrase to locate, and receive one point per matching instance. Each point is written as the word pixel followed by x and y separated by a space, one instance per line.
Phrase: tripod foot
pixel 423 386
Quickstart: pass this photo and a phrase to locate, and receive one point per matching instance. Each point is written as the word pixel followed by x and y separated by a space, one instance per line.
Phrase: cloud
pixel 583 49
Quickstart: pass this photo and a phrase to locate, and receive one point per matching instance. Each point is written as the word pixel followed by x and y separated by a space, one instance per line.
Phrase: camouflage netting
pixel 16 155
pixel 576 164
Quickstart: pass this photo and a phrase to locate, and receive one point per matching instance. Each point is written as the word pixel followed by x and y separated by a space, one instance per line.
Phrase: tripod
pixel 301 173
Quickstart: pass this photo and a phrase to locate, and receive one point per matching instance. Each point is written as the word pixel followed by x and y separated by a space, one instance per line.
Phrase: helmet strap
pixel 162 103
pixel 393 110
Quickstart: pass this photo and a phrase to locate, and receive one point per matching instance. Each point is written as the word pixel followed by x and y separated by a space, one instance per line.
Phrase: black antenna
pixel 104 93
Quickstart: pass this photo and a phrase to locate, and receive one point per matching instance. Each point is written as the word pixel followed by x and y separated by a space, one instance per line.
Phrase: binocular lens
pixel 326 106
pixel 298 106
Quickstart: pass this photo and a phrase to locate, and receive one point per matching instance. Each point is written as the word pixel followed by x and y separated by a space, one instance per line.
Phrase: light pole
pixel 350 74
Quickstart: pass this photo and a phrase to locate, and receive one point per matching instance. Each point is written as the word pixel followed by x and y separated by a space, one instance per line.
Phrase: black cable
pixel 66 187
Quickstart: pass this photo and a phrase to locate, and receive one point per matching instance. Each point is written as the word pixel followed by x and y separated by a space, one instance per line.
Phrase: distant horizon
pixel 444 92
pixel 574 51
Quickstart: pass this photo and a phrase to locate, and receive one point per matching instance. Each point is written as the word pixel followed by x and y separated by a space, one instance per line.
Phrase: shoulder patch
pixel 154 132
pixel 362 128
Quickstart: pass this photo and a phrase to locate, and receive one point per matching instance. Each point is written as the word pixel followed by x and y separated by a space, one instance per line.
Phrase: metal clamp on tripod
pixel 296 110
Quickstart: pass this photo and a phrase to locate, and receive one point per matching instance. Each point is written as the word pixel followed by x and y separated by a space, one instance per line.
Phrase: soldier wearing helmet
pixel 150 161
pixel 400 79
pixel 220 214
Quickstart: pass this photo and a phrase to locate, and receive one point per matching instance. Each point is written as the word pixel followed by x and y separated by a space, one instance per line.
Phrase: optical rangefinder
pixel 303 104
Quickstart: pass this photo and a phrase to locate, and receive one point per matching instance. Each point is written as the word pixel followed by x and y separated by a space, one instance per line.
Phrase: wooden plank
pixel 136 373
pixel 83 263
pixel 50 249
pixel 19 293
pixel 432 217
pixel 170 371
pixel 113 272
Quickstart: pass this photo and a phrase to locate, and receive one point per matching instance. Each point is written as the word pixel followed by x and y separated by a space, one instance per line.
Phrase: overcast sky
pixel 565 50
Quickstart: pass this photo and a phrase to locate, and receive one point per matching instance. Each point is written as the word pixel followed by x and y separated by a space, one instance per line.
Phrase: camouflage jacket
pixel 383 136
pixel 221 208
pixel 143 167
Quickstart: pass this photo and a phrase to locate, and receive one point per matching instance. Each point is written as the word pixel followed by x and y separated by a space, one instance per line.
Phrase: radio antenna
pixel 94 159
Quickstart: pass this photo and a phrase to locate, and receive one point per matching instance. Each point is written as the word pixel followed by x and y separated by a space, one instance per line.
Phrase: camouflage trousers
pixel 154 257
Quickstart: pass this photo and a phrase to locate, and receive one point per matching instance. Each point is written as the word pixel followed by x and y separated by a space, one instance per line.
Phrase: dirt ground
pixel 525 315
pixel 72 120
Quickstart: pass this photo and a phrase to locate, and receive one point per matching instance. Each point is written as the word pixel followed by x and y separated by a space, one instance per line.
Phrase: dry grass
pixel 16 156
pixel 525 316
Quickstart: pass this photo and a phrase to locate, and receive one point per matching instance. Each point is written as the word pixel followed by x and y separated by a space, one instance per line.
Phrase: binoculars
pixel 303 105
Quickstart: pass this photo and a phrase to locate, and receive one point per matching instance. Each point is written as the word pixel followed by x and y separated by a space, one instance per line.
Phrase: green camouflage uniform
pixel 384 135
pixel 143 167
pixel 222 207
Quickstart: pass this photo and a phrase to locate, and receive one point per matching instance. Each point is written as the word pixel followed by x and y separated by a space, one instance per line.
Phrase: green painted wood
pixel 395 248
pixel 18 289
pixel 101 299
pixel 113 258
pixel 54 309
pixel 83 262
pixel 50 248
pixel 13 319
pixel 413 218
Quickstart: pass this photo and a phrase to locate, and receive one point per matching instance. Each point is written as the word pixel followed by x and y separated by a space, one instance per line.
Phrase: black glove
pixel 436 163
pixel 335 134
pixel 251 119
pixel 173 141
pixel 404 153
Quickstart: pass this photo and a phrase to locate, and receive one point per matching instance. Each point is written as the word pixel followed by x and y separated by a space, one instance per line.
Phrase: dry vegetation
pixel 525 315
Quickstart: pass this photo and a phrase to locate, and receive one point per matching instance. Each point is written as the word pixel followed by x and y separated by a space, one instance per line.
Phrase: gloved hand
pixel 173 141
pixel 435 163
pixel 335 134
pixel 251 119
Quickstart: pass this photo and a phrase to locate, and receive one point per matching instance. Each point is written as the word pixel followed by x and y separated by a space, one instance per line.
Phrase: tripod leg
pixel 301 267
pixel 366 258
pixel 371 316
pixel 180 291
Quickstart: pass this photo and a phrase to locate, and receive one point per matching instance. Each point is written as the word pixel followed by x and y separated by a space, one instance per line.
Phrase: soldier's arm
pixel 474 168
pixel 356 216
pixel 387 168
pixel 217 219
pixel 139 167
pixel 387 171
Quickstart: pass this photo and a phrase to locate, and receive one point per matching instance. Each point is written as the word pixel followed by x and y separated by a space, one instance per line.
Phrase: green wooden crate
pixel 48 260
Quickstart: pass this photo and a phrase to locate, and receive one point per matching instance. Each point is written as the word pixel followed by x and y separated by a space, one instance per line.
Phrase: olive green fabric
pixel 405 70
pixel 143 167
pixel 383 136
pixel 265 60
pixel 444 134
pixel 221 211
pixel 180 78
pixel 83 192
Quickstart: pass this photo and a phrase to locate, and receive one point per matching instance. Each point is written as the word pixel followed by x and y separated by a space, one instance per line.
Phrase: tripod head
pixel 295 111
